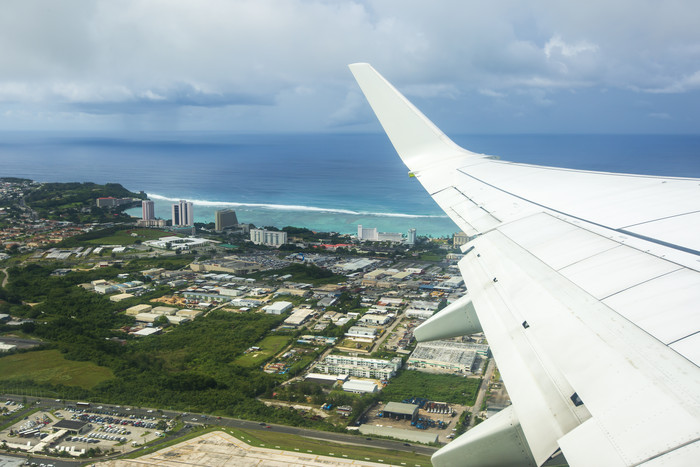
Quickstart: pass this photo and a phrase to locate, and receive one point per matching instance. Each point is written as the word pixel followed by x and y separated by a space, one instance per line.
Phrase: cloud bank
pixel 263 65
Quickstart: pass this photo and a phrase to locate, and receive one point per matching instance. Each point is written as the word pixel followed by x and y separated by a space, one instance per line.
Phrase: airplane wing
pixel 587 287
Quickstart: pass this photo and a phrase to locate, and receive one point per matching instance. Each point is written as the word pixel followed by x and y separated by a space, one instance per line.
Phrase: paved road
pixel 482 391
pixel 6 277
pixel 389 330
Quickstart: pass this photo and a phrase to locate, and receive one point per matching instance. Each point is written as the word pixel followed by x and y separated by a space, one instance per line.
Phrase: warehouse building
pixel 359 386
pixel 299 317
pixel 419 314
pixel 445 356
pixel 164 310
pixel 400 411
pixel 189 314
pixel 376 320
pixel 277 308
pixel 136 309
pixel 361 332
pixel 120 297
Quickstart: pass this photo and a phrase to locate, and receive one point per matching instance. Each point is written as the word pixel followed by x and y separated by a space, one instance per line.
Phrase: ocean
pixel 325 182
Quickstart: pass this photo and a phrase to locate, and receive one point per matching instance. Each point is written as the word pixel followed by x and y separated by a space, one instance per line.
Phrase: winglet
pixel 417 140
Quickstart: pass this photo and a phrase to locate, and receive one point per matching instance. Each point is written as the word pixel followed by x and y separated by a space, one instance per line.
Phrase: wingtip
pixel 359 65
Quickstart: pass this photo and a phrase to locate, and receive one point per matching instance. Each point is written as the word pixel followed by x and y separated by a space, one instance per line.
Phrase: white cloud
pixel 491 93
pixel 556 46
pixel 680 85
pixel 132 56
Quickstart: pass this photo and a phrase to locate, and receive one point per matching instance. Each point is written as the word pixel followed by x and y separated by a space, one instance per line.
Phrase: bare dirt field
pixel 218 449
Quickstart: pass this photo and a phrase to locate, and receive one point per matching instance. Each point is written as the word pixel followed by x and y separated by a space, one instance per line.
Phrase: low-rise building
pixel 358 366
pixel 136 309
pixel 375 320
pixel 164 310
pixel 147 317
pixel 73 427
pixel 277 308
pixel 190 314
pixel 419 314
pixel 361 332
pixel 443 355
pixel 299 316
pixel 105 288
pixel 119 297
pixel 360 386
pixel 400 411
pixel 147 332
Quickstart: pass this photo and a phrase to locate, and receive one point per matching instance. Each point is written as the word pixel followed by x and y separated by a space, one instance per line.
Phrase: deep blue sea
pixel 327 182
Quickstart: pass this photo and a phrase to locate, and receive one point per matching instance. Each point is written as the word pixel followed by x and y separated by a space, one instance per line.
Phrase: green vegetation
pixel 269 346
pixel 462 423
pixel 191 367
pixel 49 366
pixel 444 388
pixel 127 237
pixel 75 202
pixel 431 257
pixel 287 442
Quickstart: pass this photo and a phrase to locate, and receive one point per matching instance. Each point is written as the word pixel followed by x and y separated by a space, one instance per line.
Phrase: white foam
pixel 292 207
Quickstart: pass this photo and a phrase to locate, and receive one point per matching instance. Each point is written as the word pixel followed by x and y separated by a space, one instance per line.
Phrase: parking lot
pixel 101 428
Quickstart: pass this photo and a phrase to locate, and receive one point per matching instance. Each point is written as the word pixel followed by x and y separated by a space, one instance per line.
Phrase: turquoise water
pixel 323 182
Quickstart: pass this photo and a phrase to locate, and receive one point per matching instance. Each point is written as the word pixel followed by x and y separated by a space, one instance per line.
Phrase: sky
pixel 262 66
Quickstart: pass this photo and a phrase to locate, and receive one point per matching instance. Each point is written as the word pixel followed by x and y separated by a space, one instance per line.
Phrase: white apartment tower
pixel 268 237
pixel 411 240
pixel 183 213
pixel 148 210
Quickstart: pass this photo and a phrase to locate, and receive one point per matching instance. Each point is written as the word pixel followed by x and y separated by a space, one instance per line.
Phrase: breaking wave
pixel 294 207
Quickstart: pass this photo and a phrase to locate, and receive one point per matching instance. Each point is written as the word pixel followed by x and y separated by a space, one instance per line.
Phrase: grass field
pixel 49 366
pixel 269 346
pixel 124 237
pixel 287 442
pixel 445 388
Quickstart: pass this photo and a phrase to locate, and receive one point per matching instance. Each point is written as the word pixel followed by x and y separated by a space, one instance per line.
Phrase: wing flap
pixel 574 343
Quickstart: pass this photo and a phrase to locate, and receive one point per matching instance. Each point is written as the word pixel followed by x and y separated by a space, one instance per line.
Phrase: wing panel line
pixel 622 231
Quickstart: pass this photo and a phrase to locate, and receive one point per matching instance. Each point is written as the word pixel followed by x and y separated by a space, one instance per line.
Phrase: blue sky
pixel 628 66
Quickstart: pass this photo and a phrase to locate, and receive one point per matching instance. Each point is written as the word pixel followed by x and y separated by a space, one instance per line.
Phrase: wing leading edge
pixel 586 285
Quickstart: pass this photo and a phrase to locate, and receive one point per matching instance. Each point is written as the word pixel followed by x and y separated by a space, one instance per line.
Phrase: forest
pixel 190 368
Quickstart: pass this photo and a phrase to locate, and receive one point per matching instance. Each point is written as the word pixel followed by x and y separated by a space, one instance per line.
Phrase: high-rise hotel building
pixel 148 211
pixel 183 213
pixel 225 218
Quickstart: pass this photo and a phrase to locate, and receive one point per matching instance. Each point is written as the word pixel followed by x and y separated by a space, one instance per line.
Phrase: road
pixel 388 331
pixel 195 418
pixel 5 278
pixel 482 392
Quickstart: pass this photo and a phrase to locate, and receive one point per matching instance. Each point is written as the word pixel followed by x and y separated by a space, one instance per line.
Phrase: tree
pixel 161 321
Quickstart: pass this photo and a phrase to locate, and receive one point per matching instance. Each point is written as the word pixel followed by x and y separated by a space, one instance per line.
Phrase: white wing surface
pixel 587 286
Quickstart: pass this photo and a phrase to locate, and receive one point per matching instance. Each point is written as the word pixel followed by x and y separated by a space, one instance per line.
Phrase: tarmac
pixel 219 449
